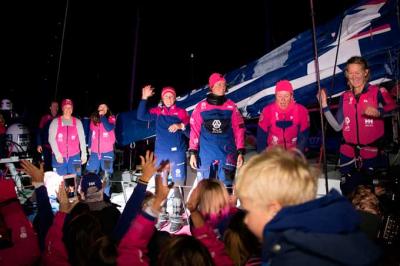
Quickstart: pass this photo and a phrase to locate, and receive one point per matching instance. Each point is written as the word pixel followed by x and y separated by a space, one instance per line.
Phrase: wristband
pixel 142 182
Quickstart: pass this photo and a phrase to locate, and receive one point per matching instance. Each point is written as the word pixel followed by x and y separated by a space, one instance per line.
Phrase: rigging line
pixel 337 54
pixel 316 64
pixel 61 49
pixel 324 128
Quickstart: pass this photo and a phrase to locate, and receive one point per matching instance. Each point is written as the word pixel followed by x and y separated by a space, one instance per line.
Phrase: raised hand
pixel 65 204
pixel 194 199
pixel 36 173
pixel 147 92
pixel 162 188
pixel 148 164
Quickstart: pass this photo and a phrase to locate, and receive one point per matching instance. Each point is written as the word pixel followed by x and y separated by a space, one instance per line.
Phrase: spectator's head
pixel 364 199
pixel 157 242
pixel 108 218
pixel 67 107
pixel 79 238
pixel 240 243
pixel 214 199
pixel 184 250
pixel 283 94
pixel 103 252
pixel 357 72
pixel 91 191
pixel 217 84
pixel 168 96
pixel 272 180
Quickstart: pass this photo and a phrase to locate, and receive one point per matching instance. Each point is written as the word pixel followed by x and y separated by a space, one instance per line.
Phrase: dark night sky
pixel 99 45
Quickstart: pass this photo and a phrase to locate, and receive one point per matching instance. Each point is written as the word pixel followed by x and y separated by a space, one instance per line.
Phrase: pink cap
pixel 66 102
pixel 214 78
pixel 166 90
pixel 283 85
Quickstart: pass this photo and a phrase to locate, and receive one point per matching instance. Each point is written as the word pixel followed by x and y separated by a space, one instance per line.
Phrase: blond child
pixel 277 189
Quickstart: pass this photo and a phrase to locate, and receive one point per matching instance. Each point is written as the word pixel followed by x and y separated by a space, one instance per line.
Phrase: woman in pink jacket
pixel 101 143
pixel 360 118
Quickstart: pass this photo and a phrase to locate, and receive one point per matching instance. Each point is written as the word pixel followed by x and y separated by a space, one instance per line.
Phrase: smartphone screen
pixel 70 185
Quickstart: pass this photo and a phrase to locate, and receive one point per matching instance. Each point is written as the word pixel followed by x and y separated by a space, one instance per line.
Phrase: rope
pixel 323 154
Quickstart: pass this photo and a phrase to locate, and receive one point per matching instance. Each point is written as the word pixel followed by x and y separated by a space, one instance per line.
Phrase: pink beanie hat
pixel 66 102
pixel 168 89
pixel 214 78
pixel 283 85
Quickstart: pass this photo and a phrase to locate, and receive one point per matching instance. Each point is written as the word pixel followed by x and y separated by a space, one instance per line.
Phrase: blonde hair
pixel 214 198
pixel 277 175
pixel 359 61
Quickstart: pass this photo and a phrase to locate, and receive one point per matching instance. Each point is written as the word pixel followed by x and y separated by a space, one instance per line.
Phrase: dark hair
pixel 159 240
pixel 103 252
pixel 79 209
pixel 184 250
pixel 240 243
pixel 79 236
pixel 95 118
pixel 108 218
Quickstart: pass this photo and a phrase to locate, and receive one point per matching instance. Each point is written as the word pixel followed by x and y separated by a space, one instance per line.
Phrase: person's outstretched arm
pixel 134 204
pixel 108 122
pixel 133 247
pixel 336 123
pixel 143 113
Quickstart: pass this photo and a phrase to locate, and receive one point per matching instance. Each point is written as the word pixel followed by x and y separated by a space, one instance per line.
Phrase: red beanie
pixel 214 78
pixel 66 102
pixel 283 85
pixel 168 89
